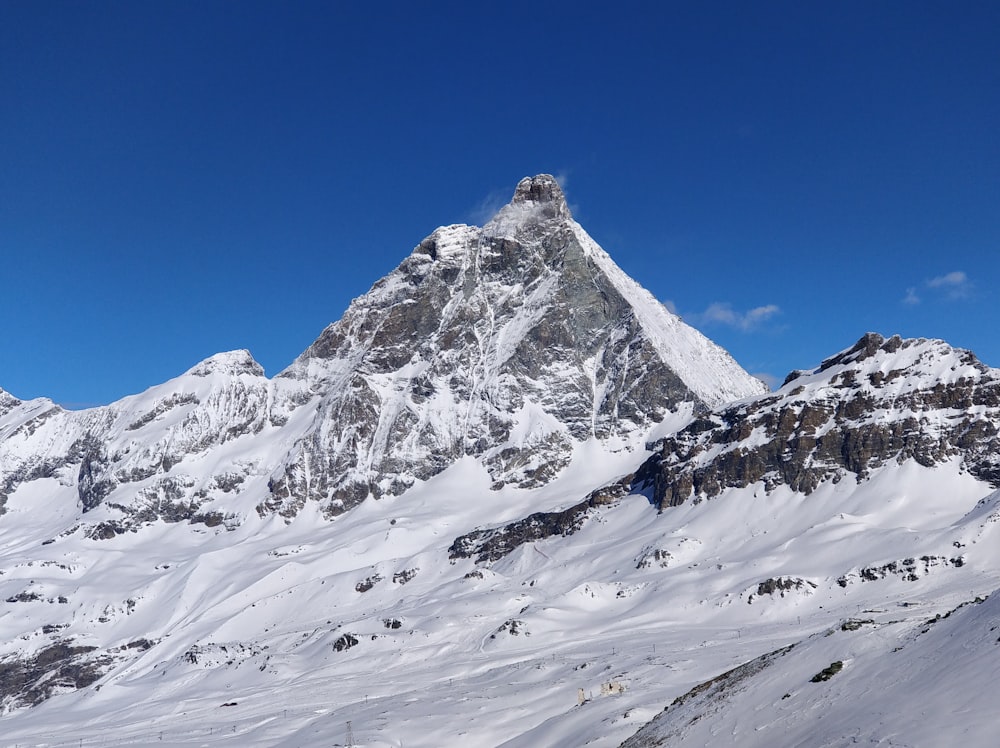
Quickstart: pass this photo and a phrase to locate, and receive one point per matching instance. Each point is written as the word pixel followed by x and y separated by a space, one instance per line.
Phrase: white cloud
pixel 949 280
pixel 722 313
pixel 670 305
pixel 953 285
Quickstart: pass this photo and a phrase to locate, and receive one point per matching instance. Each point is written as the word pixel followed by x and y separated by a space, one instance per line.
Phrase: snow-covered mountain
pixel 510 343
pixel 508 499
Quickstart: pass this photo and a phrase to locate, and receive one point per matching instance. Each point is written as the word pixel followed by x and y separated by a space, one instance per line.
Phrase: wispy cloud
pixel 953 285
pixel 770 380
pixel 488 207
pixel 722 313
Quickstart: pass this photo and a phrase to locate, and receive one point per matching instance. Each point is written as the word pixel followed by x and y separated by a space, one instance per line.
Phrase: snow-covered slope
pixel 302 627
pixel 877 679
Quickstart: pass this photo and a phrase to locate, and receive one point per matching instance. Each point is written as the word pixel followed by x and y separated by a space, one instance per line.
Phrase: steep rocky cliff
pixel 509 343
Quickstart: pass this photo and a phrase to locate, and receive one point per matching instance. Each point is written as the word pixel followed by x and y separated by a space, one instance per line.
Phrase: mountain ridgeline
pixel 881 401
pixel 509 343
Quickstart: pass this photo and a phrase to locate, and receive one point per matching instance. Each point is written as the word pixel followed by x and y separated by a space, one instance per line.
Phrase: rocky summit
pixel 508 499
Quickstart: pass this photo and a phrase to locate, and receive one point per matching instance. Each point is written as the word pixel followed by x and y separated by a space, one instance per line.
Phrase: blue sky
pixel 182 178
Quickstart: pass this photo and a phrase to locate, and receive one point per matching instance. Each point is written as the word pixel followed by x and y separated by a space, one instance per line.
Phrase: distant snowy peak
pixel 877 402
pixel 230 363
pixel 7 402
pixel 900 365
pixel 508 343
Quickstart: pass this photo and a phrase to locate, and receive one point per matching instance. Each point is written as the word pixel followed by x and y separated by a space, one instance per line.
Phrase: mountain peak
pixel 536 198
pixel 511 344
pixel 7 401
pixel 229 362
pixel 542 188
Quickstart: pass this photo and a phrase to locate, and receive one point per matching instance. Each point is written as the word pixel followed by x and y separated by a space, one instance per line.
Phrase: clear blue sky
pixel 181 178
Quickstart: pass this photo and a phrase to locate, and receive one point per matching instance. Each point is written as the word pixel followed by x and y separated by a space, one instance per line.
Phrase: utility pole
pixel 350 735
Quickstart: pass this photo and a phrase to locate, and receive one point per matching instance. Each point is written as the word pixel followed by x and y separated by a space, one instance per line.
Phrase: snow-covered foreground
pixel 317 632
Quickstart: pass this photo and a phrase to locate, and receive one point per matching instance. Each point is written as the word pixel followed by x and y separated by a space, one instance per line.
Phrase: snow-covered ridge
pixel 707 369
pixel 880 401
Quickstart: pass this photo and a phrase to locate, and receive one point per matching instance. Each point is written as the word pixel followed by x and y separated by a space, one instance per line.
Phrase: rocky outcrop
pixel 30 679
pixel 493 544
pixel 880 401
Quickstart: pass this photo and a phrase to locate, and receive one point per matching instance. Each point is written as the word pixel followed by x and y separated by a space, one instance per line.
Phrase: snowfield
pixel 441 652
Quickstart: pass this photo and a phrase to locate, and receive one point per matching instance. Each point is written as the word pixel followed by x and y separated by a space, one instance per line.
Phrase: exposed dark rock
pixel 212 654
pixel 402 577
pixel 93 485
pixel 24 597
pixel 209 519
pixel 854 624
pixel 514 627
pixel 344 642
pixel 164 406
pixel 29 680
pixel 781 585
pixel 105 531
pixel 907 569
pixel 367 583
pixel 494 544
pixel 828 672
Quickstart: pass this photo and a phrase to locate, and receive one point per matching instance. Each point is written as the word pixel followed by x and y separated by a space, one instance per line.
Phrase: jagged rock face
pixel 880 401
pixel 508 343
